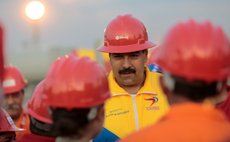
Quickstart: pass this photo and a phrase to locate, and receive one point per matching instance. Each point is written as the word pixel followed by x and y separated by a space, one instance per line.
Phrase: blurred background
pixel 36 35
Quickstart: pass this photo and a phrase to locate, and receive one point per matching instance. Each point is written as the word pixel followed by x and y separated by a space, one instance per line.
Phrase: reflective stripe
pixel 23 121
pixel 135 110
pixel 9 83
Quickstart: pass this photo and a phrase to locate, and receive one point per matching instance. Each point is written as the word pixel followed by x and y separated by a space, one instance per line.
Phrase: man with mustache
pixel 137 99
pixel 14 84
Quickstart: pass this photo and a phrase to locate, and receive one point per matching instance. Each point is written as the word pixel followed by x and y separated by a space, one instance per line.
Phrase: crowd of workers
pixel 180 93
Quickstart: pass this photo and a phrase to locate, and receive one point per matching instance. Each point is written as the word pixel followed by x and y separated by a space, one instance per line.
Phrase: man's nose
pixel 127 62
pixel 9 99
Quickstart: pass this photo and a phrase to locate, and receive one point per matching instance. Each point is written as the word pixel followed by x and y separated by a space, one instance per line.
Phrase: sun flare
pixel 35 10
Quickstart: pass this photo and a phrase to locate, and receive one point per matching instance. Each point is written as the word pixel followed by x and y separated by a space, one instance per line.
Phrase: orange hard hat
pixel 13 80
pixel 195 51
pixel 76 82
pixel 37 106
pixel 125 34
pixel 6 123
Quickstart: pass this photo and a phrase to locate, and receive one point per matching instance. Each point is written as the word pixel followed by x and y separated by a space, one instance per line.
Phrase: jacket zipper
pixel 135 111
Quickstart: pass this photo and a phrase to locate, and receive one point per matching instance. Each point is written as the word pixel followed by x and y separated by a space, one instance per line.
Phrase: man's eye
pixel 117 56
pixel 134 55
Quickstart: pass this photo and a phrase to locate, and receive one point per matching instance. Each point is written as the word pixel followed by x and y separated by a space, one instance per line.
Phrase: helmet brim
pixel 126 48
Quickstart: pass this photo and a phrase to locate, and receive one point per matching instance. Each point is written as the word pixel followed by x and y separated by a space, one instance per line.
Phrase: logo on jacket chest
pixel 152 100
pixel 117 112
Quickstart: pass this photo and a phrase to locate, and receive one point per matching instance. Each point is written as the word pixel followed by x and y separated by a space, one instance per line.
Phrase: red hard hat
pixel 37 106
pixel 1 53
pixel 125 34
pixel 6 123
pixel 76 82
pixel 13 80
pixel 195 51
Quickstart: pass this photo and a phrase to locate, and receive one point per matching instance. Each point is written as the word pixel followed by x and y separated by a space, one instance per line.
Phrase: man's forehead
pixel 14 93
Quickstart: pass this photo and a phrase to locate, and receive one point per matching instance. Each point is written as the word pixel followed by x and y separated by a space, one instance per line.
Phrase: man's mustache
pixel 12 107
pixel 127 70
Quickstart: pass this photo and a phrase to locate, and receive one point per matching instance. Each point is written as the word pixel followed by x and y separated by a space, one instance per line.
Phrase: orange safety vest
pixel 187 122
pixel 24 123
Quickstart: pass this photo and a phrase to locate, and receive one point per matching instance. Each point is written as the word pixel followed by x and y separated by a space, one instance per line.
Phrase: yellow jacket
pixel 125 113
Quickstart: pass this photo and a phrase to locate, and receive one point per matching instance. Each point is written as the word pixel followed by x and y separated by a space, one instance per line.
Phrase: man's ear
pixel 110 58
pixel 145 52
pixel 22 94
pixel 100 114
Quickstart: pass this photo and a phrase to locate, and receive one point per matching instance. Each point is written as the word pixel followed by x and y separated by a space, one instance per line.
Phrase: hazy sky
pixel 80 23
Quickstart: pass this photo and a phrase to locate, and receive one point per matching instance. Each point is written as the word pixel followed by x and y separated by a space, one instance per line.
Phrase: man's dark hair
pixel 68 122
pixel 195 90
